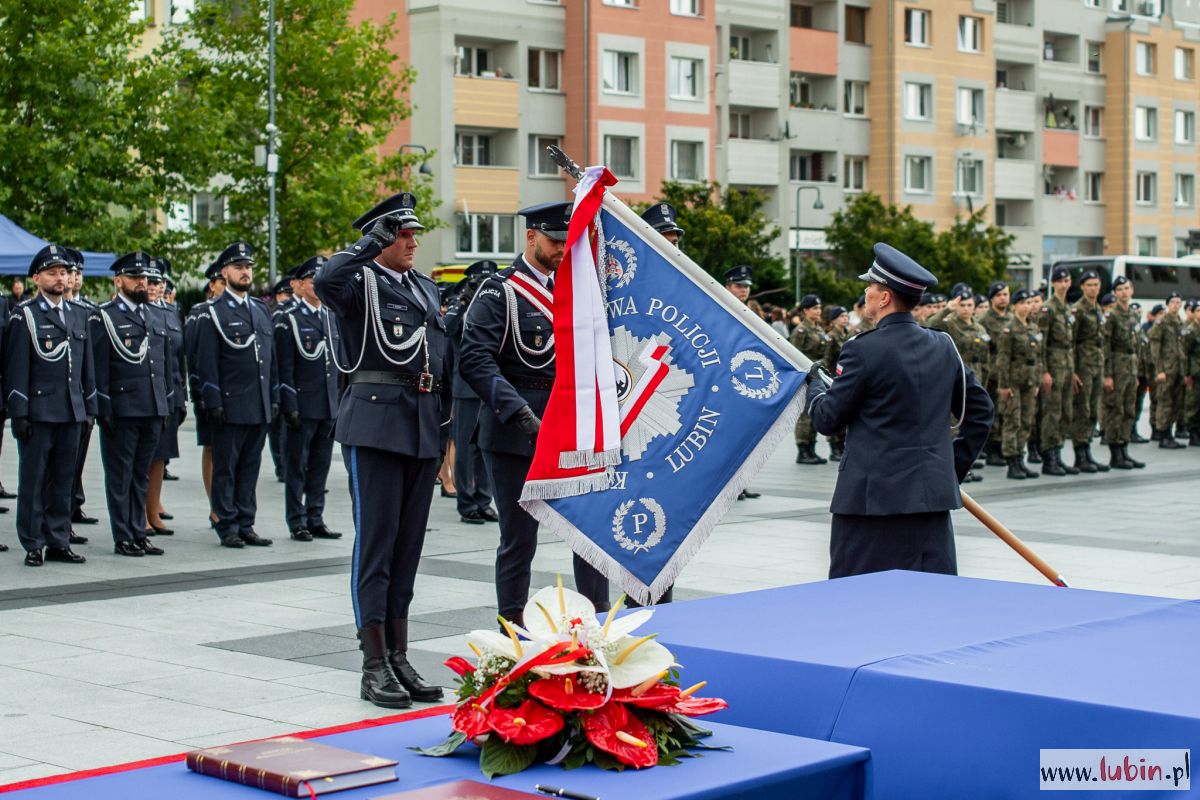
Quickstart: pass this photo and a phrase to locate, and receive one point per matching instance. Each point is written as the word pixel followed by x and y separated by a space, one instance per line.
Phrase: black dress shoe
pixel 128 549
pixel 3 548
pixel 148 548
pixel 167 476
pixel 302 535
pixel 165 515
pixel 80 518
pixel 33 558
pixel 472 518
pixel 3 509
pixel 489 515
pixel 253 539
pixel 321 532
pixel 63 555
pixel 749 495
pixel 75 538
pixel 157 531
pixel 5 494
pixel 233 541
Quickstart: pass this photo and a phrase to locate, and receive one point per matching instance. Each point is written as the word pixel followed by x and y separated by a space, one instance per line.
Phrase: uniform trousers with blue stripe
pixel 391 494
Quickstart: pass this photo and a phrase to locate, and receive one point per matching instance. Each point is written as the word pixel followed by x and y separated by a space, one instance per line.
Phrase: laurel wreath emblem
pixel 660 525
pixel 741 388
pixel 619 276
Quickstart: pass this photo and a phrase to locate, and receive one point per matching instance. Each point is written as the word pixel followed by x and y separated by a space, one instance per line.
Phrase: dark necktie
pixel 550 284
pixel 410 283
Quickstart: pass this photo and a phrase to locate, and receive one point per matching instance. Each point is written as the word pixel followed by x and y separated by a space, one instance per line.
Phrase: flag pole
pixel 1011 539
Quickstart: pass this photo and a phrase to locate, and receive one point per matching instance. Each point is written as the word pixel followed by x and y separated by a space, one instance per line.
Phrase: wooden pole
pixel 1011 539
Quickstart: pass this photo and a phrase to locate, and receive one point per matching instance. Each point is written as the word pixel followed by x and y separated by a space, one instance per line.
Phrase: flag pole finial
pixel 564 162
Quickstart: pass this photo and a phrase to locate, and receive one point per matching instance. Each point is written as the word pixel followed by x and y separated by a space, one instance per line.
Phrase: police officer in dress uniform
pixel 664 218
pixel 284 295
pixel 235 365
pixel 50 393
pixel 895 387
pixel 512 371
pixel 73 294
pixel 390 425
pixel 471 479
pixel 306 347
pixel 134 382
pixel 159 289
pixel 191 327
pixel 970 338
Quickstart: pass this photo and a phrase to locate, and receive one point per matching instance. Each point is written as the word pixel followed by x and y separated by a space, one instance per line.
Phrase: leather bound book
pixel 292 766
pixel 462 790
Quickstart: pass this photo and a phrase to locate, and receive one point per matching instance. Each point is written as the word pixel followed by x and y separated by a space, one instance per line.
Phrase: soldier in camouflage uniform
pixel 1121 331
pixel 863 324
pixel 839 319
pixel 1018 372
pixel 1166 350
pixel 1191 373
pixel 1036 306
pixel 1155 314
pixel 994 320
pixel 1089 369
pixel 973 341
pixel 811 340
pixel 1057 322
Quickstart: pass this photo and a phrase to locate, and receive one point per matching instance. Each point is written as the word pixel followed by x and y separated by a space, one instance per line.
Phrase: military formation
pixel 1060 373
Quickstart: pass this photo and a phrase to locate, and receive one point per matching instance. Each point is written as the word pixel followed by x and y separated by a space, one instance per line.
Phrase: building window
pixel 1094 3
pixel 685 8
pixel 739 125
pixel 620 154
pixel 1095 55
pixel 687 162
pixel 854 99
pixel 1147 245
pixel 1185 63
pixel 856 25
pixel 686 78
pixel 1185 127
pixel 1093 187
pixel 486 234
pixel 739 47
pixel 916 27
pixel 918 101
pixel 540 162
pixel 474 61
pixel 545 69
pixel 968 177
pixel 1185 191
pixel 473 150
pixel 854 174
pixel 181 11
pixel 806 166
pixel 970 34
pixel 969 107
pixel 621 3
pixel 1145 57
pixel 141 10
pixel 1181 248
pixel 620 72
pixel 801 16
pixel 208 210
pixel 918 174
pixel 1145 123
pixel 1147 188
pixel 1092 117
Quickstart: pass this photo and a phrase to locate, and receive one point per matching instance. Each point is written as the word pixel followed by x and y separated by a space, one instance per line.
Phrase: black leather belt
pixel 424 382
pixel 545 384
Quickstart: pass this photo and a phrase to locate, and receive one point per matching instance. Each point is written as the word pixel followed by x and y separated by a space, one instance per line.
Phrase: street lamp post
pixel 272 132
pixel 817 205
pixel 424 170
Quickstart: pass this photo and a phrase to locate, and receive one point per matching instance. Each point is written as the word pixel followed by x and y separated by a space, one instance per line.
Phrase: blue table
pixel 762 765
pixel 814 637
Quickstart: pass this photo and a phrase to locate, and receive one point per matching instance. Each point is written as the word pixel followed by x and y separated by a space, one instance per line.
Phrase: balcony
pixel 814 51
pixel 487 102
pixel 753 162
pixel 494 190
pixel 1015 111
pixel 1060 148
pixel 815 130
pixel 1018 42
pixel 1015 179
pixel 754 84
pixel 1062 48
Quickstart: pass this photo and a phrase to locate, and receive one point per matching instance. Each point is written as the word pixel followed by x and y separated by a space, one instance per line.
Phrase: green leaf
pixel 454 741
pixel 687 730
pixel 606 760
pixel 498 757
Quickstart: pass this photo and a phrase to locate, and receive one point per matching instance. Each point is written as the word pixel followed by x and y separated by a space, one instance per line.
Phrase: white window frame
pixel 543 55
pixel 1185 190
pixel 686 8
pixel 471 146
pixel 916 27
pixel 1146 188
pixel 854 174
pixel 1152 246
pixel 962 168
pixel 739 44
pixel 918 94
pixel 697 160
pixel 468 55
pixel 1145 55
pixel 1185 126
pixel 677 79
pixel 1093 180
pixel 495 222
pixel 969 106
pixel 1087 59
pixel 741 125
pixel 634 147
pixel 1185 63
pixel 621 3
pixel 800 161
pixel 854 94
pixel 1090 130
pixel 970 34
pixel 1145 123
pixel 614 62
pixel 927 170
pixel 539 164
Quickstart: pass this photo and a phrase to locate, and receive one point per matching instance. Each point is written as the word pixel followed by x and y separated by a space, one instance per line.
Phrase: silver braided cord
pixel 212 312
pixel 512 322
pixel 124 352
pixel 316 353
pixel 52 354
pixel 371 312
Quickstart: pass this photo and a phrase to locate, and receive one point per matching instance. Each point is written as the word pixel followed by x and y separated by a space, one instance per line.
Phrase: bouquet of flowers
pixel 568 689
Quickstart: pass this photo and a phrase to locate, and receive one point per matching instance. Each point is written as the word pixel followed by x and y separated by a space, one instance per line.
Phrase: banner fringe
pixel 589 459
pixel 559 488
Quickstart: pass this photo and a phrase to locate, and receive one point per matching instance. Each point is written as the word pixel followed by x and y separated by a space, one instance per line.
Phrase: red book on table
pixel 292 766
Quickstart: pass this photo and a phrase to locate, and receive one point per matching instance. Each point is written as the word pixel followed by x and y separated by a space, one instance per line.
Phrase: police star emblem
pixel 649 389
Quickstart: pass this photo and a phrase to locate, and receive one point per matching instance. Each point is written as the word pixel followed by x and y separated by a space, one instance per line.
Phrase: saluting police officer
pixel 133 382
pixel 390 426
pixel 51 393
pixel 308 403
pixel 235 362
pixel 512 371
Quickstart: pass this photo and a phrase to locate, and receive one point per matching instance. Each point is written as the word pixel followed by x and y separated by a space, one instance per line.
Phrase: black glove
pixel 182 415
pixel 818 374
pixel 385 230
pixel 21 428
pixel 292 420
pixel 106 424
pixel 274 411
pixel 528 421
pixel 216 418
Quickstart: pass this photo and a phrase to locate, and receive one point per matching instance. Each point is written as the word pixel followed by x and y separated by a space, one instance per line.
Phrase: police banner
pixel 701 391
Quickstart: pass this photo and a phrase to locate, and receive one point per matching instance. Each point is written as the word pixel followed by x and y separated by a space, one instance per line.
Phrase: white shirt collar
pixel 59 306
pixel 537 273
pixel 311 307
pixel 125 299
pixel 239 300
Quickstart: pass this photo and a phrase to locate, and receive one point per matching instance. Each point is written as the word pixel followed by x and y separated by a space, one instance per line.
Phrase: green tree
pixel 72 96
pixel 339 93
pixel 725 228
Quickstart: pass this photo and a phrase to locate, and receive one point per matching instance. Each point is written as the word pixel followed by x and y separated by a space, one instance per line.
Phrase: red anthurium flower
pixel 564 693
pixel 697 706
pixel 659 697
pixel 460 665
pixel 614 730
pixel 470 719
pixel 527 723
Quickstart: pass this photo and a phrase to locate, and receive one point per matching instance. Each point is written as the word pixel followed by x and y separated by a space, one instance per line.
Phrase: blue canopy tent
pixel 18 247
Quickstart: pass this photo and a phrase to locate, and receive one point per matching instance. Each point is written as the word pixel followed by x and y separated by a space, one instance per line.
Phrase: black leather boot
pixel 1117 458
pixel 1087 448
pixel 1050 465
pixel 835 451
pixel 806 454
pixel 1067 468
pixel 1034 456
pixel 1028 472
pixel 1167 440
pixel 1082 462
pixel 1015 471
pixel 1133 462
pixel 994 457
pixel 1194 439
pixel 397 655
pixel 379 684
pixel 1156 435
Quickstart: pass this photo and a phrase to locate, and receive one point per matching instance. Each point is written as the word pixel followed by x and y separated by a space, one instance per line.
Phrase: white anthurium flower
pixel 634 660
pixel 548 613
pixel 627 624
pixel 494 642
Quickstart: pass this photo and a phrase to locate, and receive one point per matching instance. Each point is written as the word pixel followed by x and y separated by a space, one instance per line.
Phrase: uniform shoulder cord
pixel 371 312
pixel 127 355
pixel 316 352
pixel 512 321
pixel 50 354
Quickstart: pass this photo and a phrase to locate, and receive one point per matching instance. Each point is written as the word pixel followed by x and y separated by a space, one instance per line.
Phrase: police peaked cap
pixel 809 301
pixel 52 255
pixel 661 217
pixel 552 219
pixel 401 205
pixel 898 272
pixel 162 264
pixel 236 252
pixel 133 264
pixel 282 286
pixel 741 274
pixel 213 272
pixel 308 268
pixel 76 264
pixel 481 269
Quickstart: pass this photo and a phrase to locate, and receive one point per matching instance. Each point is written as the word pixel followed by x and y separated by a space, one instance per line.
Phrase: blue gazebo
pixel 18 247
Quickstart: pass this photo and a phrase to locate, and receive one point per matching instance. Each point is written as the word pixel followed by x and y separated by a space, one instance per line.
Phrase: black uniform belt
pixel 422 383
pixel 545 384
